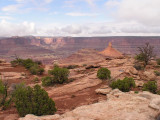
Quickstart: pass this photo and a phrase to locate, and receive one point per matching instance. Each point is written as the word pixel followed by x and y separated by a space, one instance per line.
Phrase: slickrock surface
pixel 84 97
pixel 83 56
pixel 119 106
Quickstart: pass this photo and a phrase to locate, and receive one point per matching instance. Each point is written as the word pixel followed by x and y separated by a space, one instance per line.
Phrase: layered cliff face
pixel 25 47
pixel 127 45
pixel 64 46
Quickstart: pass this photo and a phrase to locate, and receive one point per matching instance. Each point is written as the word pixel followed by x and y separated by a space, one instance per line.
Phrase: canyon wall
pixel 59 47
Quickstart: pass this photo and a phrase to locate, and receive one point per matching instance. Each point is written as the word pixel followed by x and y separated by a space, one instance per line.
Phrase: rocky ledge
pixel 118 106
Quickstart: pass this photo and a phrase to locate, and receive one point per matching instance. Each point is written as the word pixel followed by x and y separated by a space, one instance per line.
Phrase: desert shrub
pixel 138 67
pixel 104 73
pixel 30 65
pixel 47 81
pixel 60 75
pixel 33 101
pixel 136 92
pixel 92 66
pixel 16 62
pixel 157 73
pixel 38 62
pixel 150 86
pixel 84 65
pixel 145 54
pixel 40 71
pixel 36 80
pixel 5 98
pixel 124 85
pixel 158 92
pixel 139 57
pixel 35 70
pixel 158 61
pixel 72 66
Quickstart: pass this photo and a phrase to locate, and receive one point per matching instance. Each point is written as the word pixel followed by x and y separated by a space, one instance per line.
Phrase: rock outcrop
pixel 83 56
pixel 148 75
pixel 111 52
pixel 119 106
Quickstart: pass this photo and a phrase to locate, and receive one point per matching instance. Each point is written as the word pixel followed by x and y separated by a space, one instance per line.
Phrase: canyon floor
pixel 86 97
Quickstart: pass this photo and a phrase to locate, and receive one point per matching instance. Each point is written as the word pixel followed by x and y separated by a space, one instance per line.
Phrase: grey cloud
pixel 146 12
pixel 71 30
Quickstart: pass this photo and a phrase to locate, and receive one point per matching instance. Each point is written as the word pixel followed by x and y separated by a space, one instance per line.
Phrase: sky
pixel 79 18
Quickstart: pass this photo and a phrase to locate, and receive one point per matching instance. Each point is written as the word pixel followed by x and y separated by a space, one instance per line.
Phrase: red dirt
pixel 28 80
pixel 64 102
pixel 67 102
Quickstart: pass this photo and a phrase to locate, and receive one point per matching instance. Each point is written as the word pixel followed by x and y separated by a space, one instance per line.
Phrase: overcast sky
pixel 80 17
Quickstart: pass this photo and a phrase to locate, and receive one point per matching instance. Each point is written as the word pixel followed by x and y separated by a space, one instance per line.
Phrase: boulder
pixel 148 75
pixel 155 104
pixel 132 71
pixel 103 91
pixel 148 95
pixel 139 83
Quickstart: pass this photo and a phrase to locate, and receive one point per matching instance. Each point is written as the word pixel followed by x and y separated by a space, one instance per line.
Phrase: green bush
pixel 140 57
pixel 35 70
pixel 30 65
pixel 72 66
pixel 84 65
pixel 38 62
pixel 138 67
pixel 158 61
pixel 47 81
pixel 158 92
pixel 33 101
pixel 104 73
pixel 5 98
pixel 16 62
pixel 36 80
pixel 40 71
pixel 60 75
pixel 150 86
pixel 157 73
pixel 124 85
pixel 136 92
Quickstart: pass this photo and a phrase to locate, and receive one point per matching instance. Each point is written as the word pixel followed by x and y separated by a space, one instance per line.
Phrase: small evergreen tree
pixel 124 85
pixel 104 73
pixel 150 86
pixel 33 101
pixel 47 81
pixel 60 75
pixel 29 64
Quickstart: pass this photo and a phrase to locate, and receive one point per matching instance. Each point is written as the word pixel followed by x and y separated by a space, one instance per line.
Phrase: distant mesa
pixel 111 52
